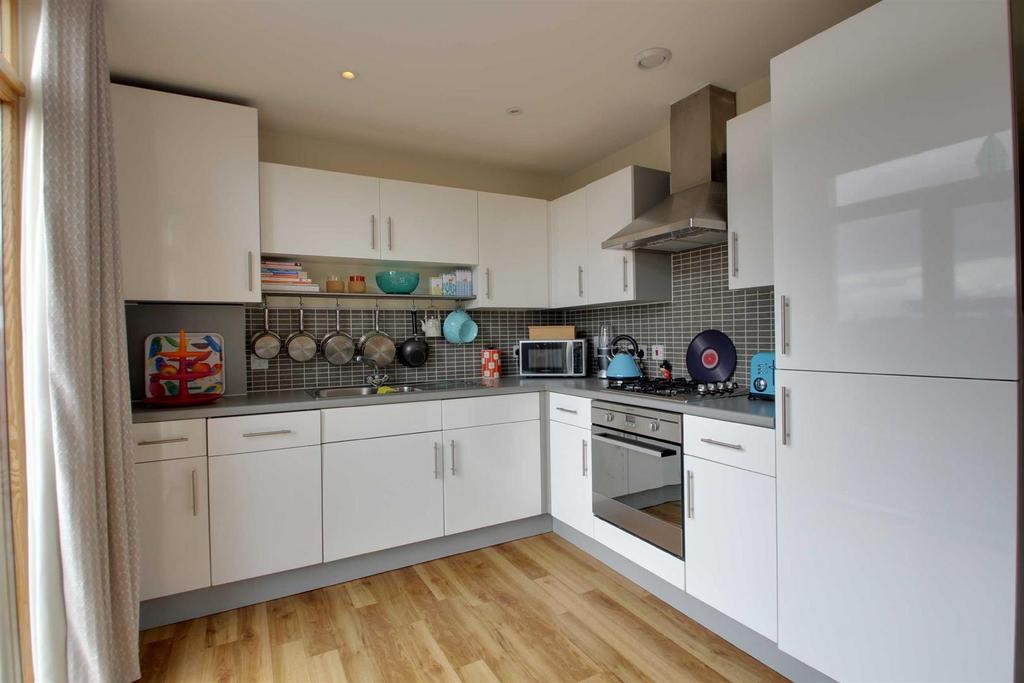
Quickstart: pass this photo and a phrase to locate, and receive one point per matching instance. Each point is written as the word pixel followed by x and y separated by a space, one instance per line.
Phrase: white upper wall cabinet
pixel 567 242
pixel 750 198
pixel 188 197
pixel 309 212
pixel 428 223
pixel 892 166
pixel 513 270
pixel 609 209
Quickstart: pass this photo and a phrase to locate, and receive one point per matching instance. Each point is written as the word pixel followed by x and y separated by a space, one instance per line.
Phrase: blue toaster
pixel 762 376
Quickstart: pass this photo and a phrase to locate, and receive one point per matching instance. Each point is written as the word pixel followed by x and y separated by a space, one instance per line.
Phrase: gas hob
pixel 681 389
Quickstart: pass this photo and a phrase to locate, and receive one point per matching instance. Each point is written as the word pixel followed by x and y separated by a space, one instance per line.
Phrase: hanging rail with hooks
pixel 368 295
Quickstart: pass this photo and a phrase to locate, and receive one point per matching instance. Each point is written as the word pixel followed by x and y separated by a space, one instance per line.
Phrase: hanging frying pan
pixel 265 344
pixel 376 345
pixel 414 351
pixel 301 345
pixel 337 347
pixel 711 357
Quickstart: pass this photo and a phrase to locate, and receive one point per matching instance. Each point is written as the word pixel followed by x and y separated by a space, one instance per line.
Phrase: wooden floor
pixel 535 609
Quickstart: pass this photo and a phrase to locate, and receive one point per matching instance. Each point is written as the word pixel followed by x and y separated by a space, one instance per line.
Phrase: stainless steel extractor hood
pixel 694 213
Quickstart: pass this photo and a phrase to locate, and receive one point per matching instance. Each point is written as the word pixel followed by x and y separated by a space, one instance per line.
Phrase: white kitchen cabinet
pixel 744 446
pixel 428 223
pixel 265 513
pixel 263 432
pixel 310 212
pixel 569 466
pixel 892 167
pixel 188 197
pixel 897 522
pixel 173 526
pixel 382 493
pixel 492 475
pixel 367 422
pixel 169 439
pixel 567 244
pixel 749 138
pixel 513 264
pixel 730 542
pixel 486 410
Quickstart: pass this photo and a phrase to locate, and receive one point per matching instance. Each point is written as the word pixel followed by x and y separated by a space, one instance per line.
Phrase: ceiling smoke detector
pixel 514 111
pixel 652 58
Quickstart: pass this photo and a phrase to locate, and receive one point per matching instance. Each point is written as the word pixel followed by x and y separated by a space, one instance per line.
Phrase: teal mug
pixel 459 328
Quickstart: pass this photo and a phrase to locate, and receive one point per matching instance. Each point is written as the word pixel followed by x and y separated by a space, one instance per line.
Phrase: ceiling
pixel 437 77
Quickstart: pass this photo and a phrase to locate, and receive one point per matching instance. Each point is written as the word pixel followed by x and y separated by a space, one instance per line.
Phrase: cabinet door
pixel 750 198
pixel 513 270
pixel 568 249
pixel 382 493
pixel 897 528
pixel 894 197
pixel 730 542
pixel 609 209
pixel 187 196
pixel 492 475
pixel 308 212
pixel 173 524
pixel 569 465
pixel 265 512
pixel 428 223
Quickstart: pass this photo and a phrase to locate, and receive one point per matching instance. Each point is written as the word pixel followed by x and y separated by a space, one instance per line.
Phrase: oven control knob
pixel 609 417
pixel 655 426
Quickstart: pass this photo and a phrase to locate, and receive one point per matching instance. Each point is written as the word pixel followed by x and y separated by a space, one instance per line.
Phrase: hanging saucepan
pixel 301 345
pixel 266 344
pixel 376 346
pixel 337 347
pixel 414 351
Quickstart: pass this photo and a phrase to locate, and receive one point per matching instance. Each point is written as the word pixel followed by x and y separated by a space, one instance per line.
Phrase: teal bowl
pixel 397 281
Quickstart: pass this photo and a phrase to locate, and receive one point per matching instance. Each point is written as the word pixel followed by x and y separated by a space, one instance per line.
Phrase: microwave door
pixel 543 358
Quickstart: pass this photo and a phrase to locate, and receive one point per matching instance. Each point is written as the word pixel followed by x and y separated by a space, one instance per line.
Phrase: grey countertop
pixel 733 409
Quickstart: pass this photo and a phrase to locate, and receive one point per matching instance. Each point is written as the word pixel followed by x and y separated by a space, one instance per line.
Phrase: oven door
pixel 637 486
pixel 546 358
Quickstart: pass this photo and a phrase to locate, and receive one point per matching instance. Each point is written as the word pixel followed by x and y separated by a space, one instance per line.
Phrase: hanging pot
pixel 265 344
pixel 377 346
pixel 301 345
pixel 414 351
pixel 337 347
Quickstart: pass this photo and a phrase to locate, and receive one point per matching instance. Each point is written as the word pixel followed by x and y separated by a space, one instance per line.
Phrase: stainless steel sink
pixel 337 392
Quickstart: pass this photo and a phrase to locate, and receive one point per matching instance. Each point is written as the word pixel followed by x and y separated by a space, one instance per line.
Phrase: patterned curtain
pixel 83 553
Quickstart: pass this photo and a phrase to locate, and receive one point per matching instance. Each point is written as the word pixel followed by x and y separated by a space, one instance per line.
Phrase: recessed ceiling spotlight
pixel 514 111
pixel 652 58
pixel 348 75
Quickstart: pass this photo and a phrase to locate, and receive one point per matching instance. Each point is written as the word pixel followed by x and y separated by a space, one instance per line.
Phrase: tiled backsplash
pixel 700 300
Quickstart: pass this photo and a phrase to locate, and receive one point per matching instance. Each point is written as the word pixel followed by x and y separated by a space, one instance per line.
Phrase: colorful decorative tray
pixel 184 368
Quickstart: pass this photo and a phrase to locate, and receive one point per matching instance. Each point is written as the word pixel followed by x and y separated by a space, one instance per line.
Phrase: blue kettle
pixel 623 364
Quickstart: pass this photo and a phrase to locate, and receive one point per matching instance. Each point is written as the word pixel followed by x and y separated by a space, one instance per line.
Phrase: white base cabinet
pixel 492 475
pixel 730 542
pixel 382 493
pixel 265 513
pixel 173 526
pixel 569 464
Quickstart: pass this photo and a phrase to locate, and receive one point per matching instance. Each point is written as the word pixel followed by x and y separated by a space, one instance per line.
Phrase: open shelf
pixel 368 295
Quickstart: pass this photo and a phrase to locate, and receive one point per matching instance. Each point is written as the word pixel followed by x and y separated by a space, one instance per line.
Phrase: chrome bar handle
pixel 250 271
pixel 157 442
pixel 195 496
pixel 689 494
pixel 567 410
pixel 735 253
pixel 783 324
pixel 723 444
pixel 584 457
pixel 390 246
pixel 275 432
pixel 373 232
pixel 784 414
pixel 625 274
pixel 452 444
pixel 437 470
pixel 487 280
pixel 580 277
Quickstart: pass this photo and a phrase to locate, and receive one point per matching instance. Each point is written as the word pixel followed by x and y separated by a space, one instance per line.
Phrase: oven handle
pixel 635 446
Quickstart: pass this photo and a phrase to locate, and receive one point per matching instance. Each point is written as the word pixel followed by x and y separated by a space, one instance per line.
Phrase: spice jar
pixel 357 284
pixel 334 284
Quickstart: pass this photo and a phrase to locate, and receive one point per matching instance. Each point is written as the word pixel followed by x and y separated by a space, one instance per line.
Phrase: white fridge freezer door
pixel 892 171
pixel 897 501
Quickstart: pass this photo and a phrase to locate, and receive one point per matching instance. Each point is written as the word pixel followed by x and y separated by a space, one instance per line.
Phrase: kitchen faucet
pixel 377 378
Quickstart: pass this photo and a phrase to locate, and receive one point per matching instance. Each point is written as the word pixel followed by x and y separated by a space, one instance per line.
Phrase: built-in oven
pixel 553 358
pixel 636 473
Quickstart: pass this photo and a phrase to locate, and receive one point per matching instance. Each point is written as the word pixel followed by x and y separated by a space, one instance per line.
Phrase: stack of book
pixel 285 276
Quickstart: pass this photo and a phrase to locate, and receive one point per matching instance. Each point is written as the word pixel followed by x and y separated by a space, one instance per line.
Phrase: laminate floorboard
pixel 536 609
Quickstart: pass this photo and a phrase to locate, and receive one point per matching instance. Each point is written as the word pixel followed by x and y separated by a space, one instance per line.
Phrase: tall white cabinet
pixel 188 197
pixel 513 269
pixel 894 263
pixel 750 198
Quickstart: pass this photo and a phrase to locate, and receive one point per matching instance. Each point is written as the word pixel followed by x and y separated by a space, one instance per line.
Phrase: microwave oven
pixel 552 358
